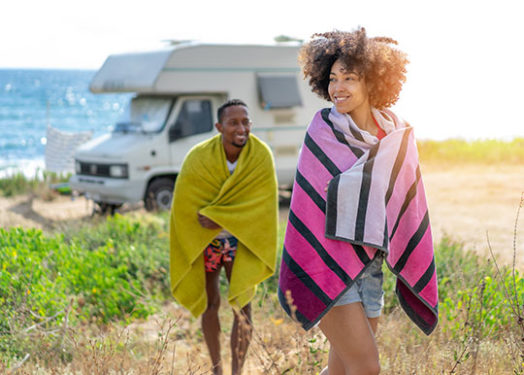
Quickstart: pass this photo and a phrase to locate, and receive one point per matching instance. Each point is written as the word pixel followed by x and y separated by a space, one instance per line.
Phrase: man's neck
pixel 232 153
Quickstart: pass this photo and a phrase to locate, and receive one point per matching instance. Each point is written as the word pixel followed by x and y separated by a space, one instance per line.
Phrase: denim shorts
pixel 367 289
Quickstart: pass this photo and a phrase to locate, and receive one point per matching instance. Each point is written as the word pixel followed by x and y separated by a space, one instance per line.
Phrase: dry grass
pixel 171 343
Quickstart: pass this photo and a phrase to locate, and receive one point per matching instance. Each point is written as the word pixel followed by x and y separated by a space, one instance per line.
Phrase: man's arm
pixel 207 222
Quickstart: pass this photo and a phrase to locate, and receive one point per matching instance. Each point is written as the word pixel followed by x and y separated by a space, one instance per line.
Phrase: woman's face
pixel 347 89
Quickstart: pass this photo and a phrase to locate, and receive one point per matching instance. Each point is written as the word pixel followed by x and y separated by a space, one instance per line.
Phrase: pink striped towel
pixel 375 202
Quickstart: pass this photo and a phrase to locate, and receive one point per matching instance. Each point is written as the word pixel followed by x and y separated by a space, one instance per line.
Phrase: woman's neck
pixel 363 118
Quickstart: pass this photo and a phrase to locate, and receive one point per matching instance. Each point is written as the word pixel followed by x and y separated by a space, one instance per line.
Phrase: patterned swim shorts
pixel 220 250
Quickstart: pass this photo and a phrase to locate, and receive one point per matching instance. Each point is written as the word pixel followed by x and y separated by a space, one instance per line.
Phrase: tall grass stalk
pixel 512 295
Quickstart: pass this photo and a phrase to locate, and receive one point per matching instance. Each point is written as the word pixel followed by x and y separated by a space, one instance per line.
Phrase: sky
pixel 465 78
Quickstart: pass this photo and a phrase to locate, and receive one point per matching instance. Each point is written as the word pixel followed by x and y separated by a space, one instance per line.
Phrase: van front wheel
pixel 159 194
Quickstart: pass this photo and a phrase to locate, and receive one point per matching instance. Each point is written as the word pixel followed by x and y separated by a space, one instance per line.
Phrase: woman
pixel 357 199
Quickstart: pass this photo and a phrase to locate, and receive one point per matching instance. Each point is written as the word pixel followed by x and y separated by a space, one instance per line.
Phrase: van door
pixel 192 121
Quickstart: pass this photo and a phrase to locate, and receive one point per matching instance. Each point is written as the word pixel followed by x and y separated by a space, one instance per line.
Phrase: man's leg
pixel 210 322
pixel 241 332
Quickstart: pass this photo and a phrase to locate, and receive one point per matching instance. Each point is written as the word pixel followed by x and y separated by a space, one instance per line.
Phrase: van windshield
pixel 144 115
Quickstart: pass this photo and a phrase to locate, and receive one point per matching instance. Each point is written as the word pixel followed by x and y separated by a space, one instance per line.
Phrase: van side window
pixel 278 91
pixel 195 117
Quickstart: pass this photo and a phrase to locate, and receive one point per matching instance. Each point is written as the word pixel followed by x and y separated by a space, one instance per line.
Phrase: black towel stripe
pixel 305 278
pixel 363 200
pixel 321 156
pixel 425 278
pixel 311 239
pixel 310 191
pixel 361 253
pixel 407 200
pixel 332 206
pixel 331 225
pixel 426 327
pixel 399 160
pixel 339 135
pixel 413 243
pixel 358 136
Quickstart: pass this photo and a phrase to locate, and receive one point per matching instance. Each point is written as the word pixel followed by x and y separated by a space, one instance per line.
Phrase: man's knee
pixel 213 305
pixel 246 311
pixel 243 318
pixel 245 314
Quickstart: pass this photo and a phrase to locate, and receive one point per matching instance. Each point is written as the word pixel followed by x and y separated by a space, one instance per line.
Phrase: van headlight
pixel 118 171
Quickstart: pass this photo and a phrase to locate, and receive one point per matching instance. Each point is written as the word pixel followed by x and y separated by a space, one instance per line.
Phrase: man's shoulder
pixel 259 144
pixel 205 146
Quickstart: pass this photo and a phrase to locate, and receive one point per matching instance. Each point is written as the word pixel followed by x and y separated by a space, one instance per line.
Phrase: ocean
pixel 32 99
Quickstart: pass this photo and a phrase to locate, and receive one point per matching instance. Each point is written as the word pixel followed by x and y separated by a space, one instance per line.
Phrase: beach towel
pixel 375 202
pixel 244 203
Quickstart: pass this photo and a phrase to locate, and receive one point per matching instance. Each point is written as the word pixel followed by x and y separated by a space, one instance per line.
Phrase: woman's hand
pixel 207 222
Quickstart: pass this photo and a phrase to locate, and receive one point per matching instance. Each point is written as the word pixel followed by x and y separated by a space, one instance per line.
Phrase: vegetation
pixel 113 271
pixel 40 184
pixel 481 151
pixel 94 299
pixel 81 300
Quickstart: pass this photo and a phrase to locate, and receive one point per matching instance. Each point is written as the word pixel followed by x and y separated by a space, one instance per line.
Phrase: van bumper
pixel 108 190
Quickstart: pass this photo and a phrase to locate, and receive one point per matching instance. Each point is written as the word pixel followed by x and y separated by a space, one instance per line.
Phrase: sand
pixel 466 202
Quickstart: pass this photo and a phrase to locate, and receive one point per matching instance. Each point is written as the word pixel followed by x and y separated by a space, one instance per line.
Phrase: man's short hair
pixel 229 103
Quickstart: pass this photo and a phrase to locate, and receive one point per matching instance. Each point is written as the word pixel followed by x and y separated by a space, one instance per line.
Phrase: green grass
pixel 116 270
pixel 18 183
pixel 480 151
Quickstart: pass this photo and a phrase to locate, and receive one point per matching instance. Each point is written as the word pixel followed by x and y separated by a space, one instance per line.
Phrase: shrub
pixel 115 270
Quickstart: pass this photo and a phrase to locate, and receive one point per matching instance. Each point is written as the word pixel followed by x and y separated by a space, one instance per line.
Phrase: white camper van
pixel 177 94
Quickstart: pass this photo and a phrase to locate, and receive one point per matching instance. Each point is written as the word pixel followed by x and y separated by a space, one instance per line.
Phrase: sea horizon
pixel 33 98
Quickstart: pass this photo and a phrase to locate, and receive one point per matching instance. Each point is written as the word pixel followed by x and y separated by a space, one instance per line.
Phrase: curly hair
pixel 382 66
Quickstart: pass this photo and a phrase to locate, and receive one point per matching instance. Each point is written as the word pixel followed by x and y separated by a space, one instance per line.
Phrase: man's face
pixel 234 126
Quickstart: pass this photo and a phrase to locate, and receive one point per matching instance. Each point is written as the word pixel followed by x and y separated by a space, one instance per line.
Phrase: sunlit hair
pixel 229 103
pixel 375 59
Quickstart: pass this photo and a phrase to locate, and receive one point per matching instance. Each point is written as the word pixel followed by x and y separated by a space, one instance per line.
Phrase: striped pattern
pixel 375 200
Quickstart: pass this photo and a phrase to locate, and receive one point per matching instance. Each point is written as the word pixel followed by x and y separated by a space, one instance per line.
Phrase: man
pixel 224 215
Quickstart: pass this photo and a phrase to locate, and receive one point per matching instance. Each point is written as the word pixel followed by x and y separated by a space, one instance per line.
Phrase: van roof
pixel 147 72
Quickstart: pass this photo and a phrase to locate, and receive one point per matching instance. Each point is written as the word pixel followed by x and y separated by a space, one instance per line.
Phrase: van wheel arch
pixel 159 193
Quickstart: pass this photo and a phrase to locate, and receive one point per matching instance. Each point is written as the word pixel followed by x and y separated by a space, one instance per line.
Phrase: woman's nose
pixel 338 86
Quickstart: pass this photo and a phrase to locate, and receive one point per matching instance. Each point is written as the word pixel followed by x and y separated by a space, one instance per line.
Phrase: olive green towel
pixel 244 203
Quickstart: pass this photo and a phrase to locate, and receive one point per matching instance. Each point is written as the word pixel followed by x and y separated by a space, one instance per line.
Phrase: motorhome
pixel 176 94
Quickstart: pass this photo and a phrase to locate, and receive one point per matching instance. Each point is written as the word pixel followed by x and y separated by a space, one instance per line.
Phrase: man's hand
pixel 207 222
